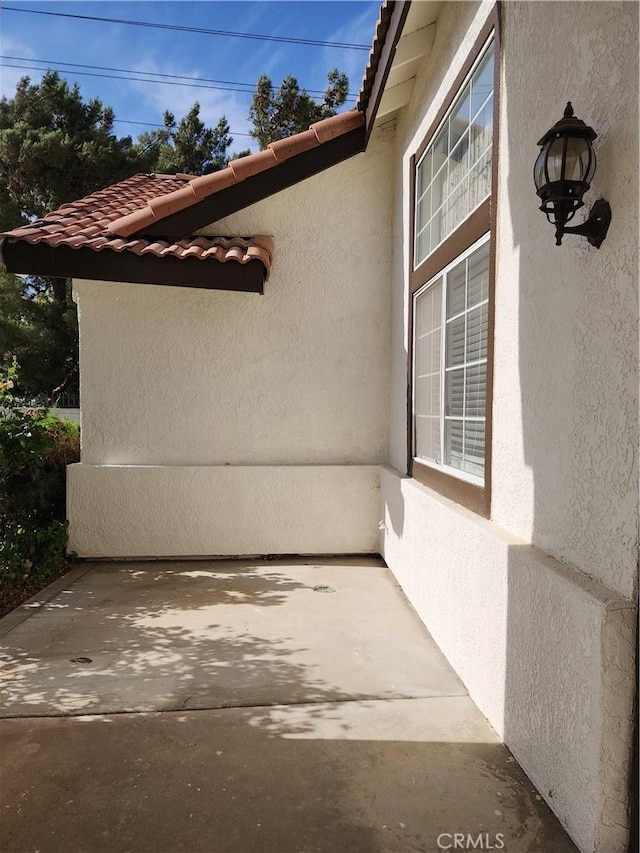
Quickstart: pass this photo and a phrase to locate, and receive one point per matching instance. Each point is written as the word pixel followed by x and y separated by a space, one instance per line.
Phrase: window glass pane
pixel 467 289
pixel 457 205
pixel 436 229
pixel 423 246
pixel 453 443
pixel 477 334
pixel 480 180
pixel 454 176
pixel 439 189
pixel 427 371
pixel 455 341
pixel 474 448
pixel 481 131
pixel 455 392
pixel 424 210
pixel 459 121
pixel 424 174
pixel 482 82
pixel 478 276
pixel 475 390
pixel 440 148
pixel 456 290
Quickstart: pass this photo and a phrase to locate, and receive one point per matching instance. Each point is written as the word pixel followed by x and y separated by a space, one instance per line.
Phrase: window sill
pixel 469 495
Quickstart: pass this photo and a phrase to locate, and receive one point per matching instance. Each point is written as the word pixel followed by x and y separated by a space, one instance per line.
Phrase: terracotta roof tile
pixel 106 219
pixel 85 224
pixel 238 170
pixel 382 28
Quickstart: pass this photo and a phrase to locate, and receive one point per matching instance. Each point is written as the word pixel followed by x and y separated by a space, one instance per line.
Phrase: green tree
pixel 190 146
pixel 55 148
pixel 41 332
pixel 276 115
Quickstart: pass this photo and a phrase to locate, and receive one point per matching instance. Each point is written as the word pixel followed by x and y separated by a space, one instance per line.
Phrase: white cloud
pixel 9 76
pixel 359 30
pixel 214 103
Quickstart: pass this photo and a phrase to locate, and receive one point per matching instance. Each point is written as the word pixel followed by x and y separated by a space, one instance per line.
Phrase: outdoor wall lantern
pixel 563 172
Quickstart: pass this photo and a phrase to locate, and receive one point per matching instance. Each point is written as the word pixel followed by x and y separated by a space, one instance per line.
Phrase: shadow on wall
pixel 577 358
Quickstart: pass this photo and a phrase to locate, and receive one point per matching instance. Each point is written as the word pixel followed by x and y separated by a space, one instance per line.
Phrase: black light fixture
pixel 563 172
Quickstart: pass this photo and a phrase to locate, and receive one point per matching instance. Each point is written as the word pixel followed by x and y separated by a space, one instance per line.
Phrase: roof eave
pixel 382 56
pixel 21 257
pixel 257 187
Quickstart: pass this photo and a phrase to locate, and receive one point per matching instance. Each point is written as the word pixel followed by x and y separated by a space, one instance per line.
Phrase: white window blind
pixel 451 317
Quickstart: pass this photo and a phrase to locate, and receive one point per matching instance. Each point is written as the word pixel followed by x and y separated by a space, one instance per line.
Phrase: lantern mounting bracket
pixel 594 228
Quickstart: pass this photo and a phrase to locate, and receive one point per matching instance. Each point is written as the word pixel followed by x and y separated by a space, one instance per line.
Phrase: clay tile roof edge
pixel 377 46
pixel 238 170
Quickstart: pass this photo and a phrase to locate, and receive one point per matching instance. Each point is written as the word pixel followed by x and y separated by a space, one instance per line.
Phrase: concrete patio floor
pixel 289 706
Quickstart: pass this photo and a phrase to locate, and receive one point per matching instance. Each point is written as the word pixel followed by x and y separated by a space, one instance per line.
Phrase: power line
pixel 202 30
pixel 131 79
pixel 50 62
pixel 160 126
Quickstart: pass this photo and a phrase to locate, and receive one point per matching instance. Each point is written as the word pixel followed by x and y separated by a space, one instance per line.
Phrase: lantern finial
pixel 568 110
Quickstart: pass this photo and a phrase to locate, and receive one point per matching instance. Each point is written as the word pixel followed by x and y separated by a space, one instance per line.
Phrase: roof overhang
pixel 257 187
pixel 19 256
pixel 405 36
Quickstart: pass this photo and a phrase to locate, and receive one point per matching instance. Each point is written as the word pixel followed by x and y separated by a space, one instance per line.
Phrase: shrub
pixel 35 448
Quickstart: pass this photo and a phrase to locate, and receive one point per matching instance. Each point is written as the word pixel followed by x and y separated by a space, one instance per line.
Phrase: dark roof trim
pixel 393 16
pixel 257 187
pixel 65 262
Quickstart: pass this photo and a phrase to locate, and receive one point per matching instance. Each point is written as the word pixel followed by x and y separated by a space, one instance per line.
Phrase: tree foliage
pixel 278 114
pixel 35 449
pixel 41 332
pixel 55 148
pixel 190 146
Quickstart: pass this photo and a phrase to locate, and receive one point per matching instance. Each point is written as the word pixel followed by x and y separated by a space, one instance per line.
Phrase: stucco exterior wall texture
pixel 296 378
pixel 535 607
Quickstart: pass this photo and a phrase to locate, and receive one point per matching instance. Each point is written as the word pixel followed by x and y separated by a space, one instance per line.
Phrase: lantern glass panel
pixel 539 175
pixel 555 153
pixel 580 164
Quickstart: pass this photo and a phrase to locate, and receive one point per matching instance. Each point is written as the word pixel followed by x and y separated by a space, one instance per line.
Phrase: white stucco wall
pixel 534 608
pixel 165 510
pixel 184 379
pixel 529 638
pixel 566 409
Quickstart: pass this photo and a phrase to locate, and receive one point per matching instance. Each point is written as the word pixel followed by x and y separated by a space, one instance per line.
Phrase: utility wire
pixel 161 126
pixel 133 79
pixel 202 30
pixel 51 62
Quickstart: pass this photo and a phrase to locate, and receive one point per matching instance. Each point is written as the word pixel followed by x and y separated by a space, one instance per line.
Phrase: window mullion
pixel 443 365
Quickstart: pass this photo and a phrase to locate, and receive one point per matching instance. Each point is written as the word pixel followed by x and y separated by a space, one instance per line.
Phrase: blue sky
pixel 57 39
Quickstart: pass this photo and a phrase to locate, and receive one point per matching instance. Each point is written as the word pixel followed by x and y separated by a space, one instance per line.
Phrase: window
pixel 451 289
pixel 454 173
pixel 451 320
